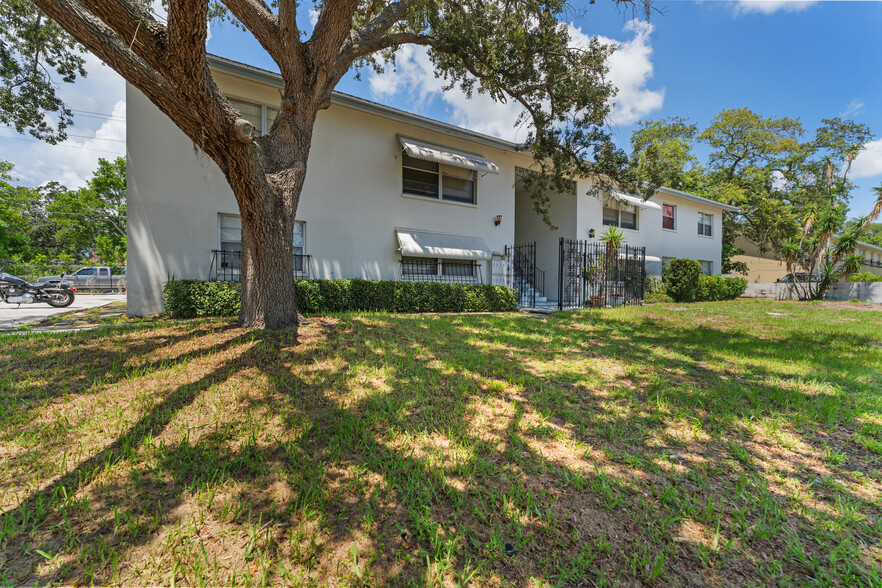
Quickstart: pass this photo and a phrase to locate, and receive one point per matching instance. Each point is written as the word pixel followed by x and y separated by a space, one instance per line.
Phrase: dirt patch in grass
pixel 720 446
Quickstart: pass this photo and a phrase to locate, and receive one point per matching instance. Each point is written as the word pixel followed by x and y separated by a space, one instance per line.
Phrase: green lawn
pixel 735 443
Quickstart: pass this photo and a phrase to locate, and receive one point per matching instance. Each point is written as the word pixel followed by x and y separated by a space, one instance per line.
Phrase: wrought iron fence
pixel 527 279
pixel 871 263
pixel 226 266
pixel 452 271
pixel 592 274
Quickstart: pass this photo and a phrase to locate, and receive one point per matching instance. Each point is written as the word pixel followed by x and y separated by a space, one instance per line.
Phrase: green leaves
pixel 35 53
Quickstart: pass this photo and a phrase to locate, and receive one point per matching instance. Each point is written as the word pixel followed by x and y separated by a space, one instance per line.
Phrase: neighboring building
pixel 389 195
pixel 765 267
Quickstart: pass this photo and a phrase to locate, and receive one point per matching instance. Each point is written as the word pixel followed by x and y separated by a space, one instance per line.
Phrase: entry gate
pixel 592 274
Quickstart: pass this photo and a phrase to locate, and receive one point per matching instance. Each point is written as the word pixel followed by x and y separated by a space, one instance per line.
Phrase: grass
pixel 711 444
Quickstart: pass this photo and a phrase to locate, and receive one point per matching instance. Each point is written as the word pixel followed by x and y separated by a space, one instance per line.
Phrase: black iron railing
pixel 441 270
pixel 592 274
pixel 871 263
pixel 527 279
pixel 226 266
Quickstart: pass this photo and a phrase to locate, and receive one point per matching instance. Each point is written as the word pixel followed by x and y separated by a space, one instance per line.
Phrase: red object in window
pixel 667 217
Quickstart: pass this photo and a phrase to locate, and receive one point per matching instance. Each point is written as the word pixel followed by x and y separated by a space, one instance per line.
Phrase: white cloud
pixel 770 6
pixel 630 69
pixel 854 108
pixel 868 163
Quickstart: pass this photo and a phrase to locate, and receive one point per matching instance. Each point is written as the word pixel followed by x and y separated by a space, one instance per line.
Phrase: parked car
pixel 799 277
pixel 88 278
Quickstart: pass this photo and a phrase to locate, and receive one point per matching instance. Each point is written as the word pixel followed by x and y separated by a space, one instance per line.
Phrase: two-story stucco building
pixel 389 195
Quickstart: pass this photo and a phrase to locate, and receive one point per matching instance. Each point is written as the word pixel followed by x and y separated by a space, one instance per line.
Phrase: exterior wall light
pixel 498 220
pixel 590 233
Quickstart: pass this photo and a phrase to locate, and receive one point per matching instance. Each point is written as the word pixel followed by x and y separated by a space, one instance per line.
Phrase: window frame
pixel 673 217
pixel 265 120
pixel 439 264
pixel 617 208
pixel 439 172
pixel 221 247
pixel 710 266
pixel 709 225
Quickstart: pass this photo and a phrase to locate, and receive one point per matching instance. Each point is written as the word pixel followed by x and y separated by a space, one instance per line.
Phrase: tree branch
pixel 135 26
pixel 106 44
pixel 371 36
pixel 257 17
pixel 331 31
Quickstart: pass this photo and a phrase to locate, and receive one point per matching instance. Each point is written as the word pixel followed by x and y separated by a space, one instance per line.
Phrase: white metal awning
pixel 422 244
pixel 633 200
pixel 429 152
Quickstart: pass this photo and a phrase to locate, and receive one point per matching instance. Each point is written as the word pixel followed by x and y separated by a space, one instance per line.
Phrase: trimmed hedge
pixel 192 298
pixel 713 288
pixel 684 282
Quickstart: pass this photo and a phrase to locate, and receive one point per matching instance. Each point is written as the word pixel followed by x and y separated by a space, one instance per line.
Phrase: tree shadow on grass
pixel 416 447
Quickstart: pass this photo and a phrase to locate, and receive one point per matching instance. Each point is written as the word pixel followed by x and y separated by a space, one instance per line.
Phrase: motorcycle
pixel 14 290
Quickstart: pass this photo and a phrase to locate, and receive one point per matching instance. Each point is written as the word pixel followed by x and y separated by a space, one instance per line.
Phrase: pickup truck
pixel 91 278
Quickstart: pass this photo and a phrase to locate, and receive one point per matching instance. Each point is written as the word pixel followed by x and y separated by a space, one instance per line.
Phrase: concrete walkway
pixel 13 316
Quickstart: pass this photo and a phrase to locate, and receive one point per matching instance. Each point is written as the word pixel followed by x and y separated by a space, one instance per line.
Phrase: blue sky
pixel 803 59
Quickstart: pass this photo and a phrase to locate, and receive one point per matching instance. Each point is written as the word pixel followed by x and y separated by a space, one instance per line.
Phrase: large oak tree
pixel 514 50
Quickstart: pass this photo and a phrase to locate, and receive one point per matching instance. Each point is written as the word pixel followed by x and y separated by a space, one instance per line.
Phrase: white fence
pixel 863 291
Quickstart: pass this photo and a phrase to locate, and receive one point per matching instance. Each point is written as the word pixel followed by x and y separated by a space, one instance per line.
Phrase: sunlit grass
pixel 735 443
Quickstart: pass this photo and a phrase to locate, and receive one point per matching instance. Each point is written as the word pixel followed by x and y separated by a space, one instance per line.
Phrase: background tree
pixel 518 50
pixel 792 190
pixel 35 54
pixel 93 219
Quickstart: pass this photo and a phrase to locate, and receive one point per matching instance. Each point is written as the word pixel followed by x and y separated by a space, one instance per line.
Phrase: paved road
pixel 12 317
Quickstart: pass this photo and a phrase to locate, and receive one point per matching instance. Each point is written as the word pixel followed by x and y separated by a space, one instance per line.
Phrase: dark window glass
pixel 628 220
pixel 610 217
pixel 463 269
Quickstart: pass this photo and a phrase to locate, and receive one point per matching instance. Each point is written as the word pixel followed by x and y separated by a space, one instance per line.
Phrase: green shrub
pixel 864 277
pixel 192 298
pixel 659 297
pixel 713 288
pixel 681 279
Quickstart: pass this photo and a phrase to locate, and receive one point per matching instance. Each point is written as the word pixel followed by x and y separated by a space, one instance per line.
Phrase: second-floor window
pixel 669 217
pixel 434 180
pixel 705 224
pixel 623 216
pixel 259 115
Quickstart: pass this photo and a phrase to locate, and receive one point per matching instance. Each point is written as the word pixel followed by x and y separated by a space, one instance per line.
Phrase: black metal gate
pixel 592 274
pixel 527 279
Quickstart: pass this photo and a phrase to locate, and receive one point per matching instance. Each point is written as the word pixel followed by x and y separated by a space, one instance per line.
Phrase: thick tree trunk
pixel 267 178
pixel 269 299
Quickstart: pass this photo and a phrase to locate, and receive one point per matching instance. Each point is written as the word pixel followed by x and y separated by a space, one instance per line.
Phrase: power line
pixel 62 145
pixel 93 113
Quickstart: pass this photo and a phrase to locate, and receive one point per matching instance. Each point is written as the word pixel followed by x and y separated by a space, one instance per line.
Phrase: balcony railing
pixel 434 270
pixel 225 266
pixel 871 263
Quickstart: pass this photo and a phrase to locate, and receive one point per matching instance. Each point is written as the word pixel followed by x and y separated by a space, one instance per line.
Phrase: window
pixel 427 269
pixel 705 224
pixel 624 216
pixel 259 115
pixel 707 267
pixel 433 180
pixel 669 217
pixel 87 271
pixel 230 242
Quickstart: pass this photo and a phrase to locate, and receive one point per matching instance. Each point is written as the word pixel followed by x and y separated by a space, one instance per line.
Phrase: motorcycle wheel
pixel 59 298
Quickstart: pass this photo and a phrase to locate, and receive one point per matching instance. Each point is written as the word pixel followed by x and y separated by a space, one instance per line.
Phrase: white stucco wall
pixel 352 201
pixel 683 242
pixel 530 227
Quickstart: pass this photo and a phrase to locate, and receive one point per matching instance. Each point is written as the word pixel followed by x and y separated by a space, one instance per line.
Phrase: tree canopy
pixel 35 55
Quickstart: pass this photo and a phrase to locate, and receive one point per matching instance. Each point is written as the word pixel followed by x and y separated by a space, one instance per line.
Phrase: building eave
pixel 339 98
pixel 698 199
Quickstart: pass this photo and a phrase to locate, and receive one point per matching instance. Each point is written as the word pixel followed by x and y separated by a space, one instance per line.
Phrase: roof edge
pixel 694 198
pixel 268 77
